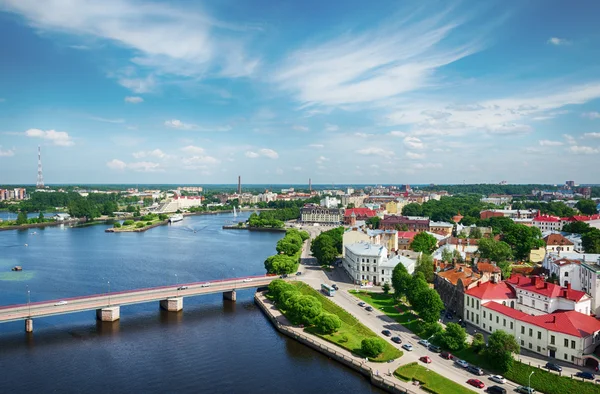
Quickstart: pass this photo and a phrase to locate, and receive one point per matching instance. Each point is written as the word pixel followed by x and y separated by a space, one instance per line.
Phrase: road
pixel 98 301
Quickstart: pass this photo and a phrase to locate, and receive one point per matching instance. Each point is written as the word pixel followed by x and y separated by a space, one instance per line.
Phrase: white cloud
pixel 317 146
pixel 413 155
pixel 116 164
pixel 558 41
pixel 592 135
pixel 145 166
pixel 422 166
pixel 509 128
pixel 591 115
pixel 397 133
pixel 106 120
pixel 321 159
pixel 252 155
pixel 300 128
pixel 6 153
pixel 198 162
pixel 331 127
pixel 413 143
pixel 550 143
pixel 178 124
pixel 191 149
pixel 270 153
pixel 297 168
pixel 134 99
pixel 60 138
pixel 375 152
pixel 153 153
pixel 138 85
pixel 570 139
pixel 586 150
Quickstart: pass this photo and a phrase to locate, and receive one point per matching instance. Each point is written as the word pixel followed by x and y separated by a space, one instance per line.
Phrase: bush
pixel 139 225
pixel 372 347
pixel 127 222
pixel 117 225
pixel 386 288
pixel 478 343
pixel 163 216
pixel 148 223
pixel 343 338
pixel 328 323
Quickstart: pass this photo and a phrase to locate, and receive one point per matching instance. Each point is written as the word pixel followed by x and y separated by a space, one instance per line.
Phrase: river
pixel 211 346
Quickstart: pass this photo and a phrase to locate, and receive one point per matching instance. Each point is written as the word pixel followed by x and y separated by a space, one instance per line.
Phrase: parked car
pixel 475 370
pixel 298 273
pixel 525 390
pixel 369 308
pixel 59 303
pixel 335 287
pixel 284 276
pixel 361 304
pixel 182 288
pixel 461 363
pixel 476 383
pixel 496 390
pixel 434 348
pixel 424 342
pixel 425 359
pixel 205 284
pixel 396 339
pixel 449 316
pixel 446 355
pixel 553 367
pixel 498 379
pixel 408 347
pixel 387 333
pixel 585 375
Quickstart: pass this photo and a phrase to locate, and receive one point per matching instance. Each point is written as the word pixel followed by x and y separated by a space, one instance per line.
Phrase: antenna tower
pixel 40 178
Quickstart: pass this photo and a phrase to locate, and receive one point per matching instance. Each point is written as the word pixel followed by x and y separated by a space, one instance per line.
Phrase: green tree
pixel 324 249
pixel 500 348
pixel 478 343
pixel 489 248
pixel 328 323
pixel 424 242
pixel 374 222
pixel 278 287
pixel 522 239
pixel 429 305
pixel 22 218
pixel 576 227
pixel 425 266
pixel 401 280
pixel 447 256
pixel 287 246
pixel 127 222
pixel 386 288
pixel 304 309
pixel 417 285
pixel 351 205
pixel 506 268
pixel 372 347
pixel 591 241
pixel 475 233
pixel 412 209
pixel 117 225
pixel 454 337
pixel 281 264
pixel 41 218
pixel 587 207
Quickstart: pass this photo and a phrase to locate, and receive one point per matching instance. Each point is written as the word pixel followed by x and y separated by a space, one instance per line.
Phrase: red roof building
pixel 537 285
pixel 558 243
pixel 360 213
pixel 405 238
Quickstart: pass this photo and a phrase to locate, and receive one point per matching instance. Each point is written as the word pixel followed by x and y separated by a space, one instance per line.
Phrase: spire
pixel 40 178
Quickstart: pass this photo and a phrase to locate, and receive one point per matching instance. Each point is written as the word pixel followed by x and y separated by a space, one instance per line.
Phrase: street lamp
pixel 28 301
pixel 529 384
pixel 108 293
pixel 176 284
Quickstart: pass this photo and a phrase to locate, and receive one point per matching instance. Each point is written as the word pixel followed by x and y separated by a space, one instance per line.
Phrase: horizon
pixel 139 91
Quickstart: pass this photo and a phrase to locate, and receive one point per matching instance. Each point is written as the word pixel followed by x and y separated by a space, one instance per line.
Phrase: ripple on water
pixel 16 276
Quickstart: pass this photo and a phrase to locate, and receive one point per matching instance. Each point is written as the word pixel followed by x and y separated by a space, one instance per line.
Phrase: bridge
pixel 107 305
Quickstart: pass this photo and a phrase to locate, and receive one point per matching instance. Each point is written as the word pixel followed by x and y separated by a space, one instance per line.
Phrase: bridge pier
pixel 174 304
pixel 229 295
pixel 28 325
pixel 108 314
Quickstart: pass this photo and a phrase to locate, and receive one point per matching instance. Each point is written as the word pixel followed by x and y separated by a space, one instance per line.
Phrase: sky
pixel 199 92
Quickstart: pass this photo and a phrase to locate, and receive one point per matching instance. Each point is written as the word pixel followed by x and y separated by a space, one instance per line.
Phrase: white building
pixel 369 263
pixel 330 202
pixel 179 203
pixel 316 214
pixel 547 223
pixel 558 243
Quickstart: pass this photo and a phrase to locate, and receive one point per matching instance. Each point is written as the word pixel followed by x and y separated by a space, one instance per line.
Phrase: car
pixel 434 348
pixel 205 284
pixel 59 303
pixel 553 367
pixel 335 287
pixel 283 276
pixel 525 390
pixel 369 308
pixel 425 359
pixel 476 383
pixel 498 379
pixel 408 347
pixel 387 333
pixel 361 304
pixel 461 363
pixel 585 375
pixel 475 370
pixel 449 316
pixel 298 273
pixel 396 339
pixel 446 355
pixel 182 288
pixel 247 280
pixel 496 390
pixel 424 342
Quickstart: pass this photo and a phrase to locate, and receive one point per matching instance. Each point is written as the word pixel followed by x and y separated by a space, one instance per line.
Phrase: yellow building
pixel 391 207
pixel 537 255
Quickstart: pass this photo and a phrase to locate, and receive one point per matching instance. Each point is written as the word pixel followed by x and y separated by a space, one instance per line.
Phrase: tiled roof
pixel 536 284
pixel 407 234
pixel 487 267
pixel 466 274
pixel 506 310
pixel 556 239
pixel 546 218
pixel 360 212
pixel 492 291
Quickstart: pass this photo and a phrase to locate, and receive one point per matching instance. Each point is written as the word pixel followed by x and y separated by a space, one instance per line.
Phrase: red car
pixel 425 359
pixel 476 383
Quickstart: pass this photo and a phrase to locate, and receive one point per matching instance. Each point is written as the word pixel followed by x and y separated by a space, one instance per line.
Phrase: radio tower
pixel 40 177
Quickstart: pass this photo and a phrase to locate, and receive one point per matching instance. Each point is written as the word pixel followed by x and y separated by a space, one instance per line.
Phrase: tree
pixel 328 323
pixel 447 256
pixel 454 337
pixel 287 246
pixel 591 241
pixel 506 268
pixel 412 209
pixel 417 285
pixel 576 227
pixel 401 280
pixel 478 343
pixel 374 222
pixel 21 218
pixel 500 348
pixel 281 264
pixel 587 207
pixel 424 242
pixel 351 205
pixel 324 249
pixel 304 309
pixel 41 218
pixel 429 305
pixel 425 266
pixel 475 232
pixel 372 347
pixel 522 239
pixel 385 288
pixel 278 287
pixel 489 248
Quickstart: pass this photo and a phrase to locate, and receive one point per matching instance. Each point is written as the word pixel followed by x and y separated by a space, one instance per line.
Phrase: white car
pixel 59 303
pixel 205 284
pixel 498 379
pixel 247 280
pixel 408 347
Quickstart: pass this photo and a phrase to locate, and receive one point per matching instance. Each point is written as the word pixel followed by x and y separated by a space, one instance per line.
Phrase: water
pixel 211 346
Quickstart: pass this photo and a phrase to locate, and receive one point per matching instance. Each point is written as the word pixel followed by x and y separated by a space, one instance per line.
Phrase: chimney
pixel 553 319
pixel 568 286
pixel 478 283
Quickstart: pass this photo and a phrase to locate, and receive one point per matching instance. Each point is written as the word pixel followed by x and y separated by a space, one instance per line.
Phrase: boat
pixel 176 218
pixel 234 212
pixel 17 268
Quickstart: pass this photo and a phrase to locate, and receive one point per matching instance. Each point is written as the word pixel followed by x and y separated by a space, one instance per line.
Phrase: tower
pixel 40 178
pixel 309 186
pixel 239 191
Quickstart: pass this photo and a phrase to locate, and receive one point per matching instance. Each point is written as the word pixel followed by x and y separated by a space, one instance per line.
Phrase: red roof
pixel 556 239
pixel 568 322
pixel 546 218
pixel 580 218
pixel 492 291
pixel 360 212
pixel 407 234
pixel 536 284
pixel 488 267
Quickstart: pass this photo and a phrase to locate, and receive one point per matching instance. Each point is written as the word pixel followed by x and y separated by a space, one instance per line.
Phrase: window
pixel 382 272
pixel 539 335
pixel 497 319
pixel 530 345
pixel 551 339
pixel 566 356
pixel 491 317
pixel 522 342
pixel 572 344
pixel 539 349
pixel 566 274
pixel 566 343
pixel 477 304
pixel 484 326
pixel 484 314
pixel 511 325
pixel 531 332
pixel 477 318
pixel 572 358
pixel 522 329
pixel 533 303
pixel 504 322
pixel 520 299
pixel 546 307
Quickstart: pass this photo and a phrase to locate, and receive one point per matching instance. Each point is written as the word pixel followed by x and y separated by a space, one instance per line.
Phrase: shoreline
pixel 136 230
pixel 41 225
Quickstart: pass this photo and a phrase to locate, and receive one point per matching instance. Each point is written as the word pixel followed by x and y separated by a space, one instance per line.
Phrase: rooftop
pixel 461 272
pixel 492 291
pixel 538 285
pixel 367 249
pixel 557 240
pixel 360 212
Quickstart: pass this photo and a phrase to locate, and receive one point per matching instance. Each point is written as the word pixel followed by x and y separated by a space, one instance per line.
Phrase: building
pixel 405 238
pixel 61 217
pixel 13 194
pixel 316 214
pixel 357 201
pixel 558 243
pixel 404 223
pixel 369 263
pixel 387 238
pixel 359 214
pixel 443 228
pixel 451 282
pixel 179 203
pixel 497 199
pixel 330 202
pixel 547 223
pixel 509 213
pixel 465 246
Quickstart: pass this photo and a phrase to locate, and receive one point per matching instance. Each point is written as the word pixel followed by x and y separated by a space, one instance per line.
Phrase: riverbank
pixel 267 229
pixel 368 369
pixel 134 229
pixel 41 225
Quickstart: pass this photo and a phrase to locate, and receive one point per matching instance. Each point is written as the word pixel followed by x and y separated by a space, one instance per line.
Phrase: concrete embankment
pixel 135 230
pixel 41 225
pixel 259 229
pixel 321 346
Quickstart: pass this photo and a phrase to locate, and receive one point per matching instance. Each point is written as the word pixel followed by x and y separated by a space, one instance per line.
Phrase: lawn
pixel 352 332
pixel 548 382
pixel 431 381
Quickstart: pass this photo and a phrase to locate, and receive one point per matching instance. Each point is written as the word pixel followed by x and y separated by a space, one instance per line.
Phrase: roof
pixel 488 267
pixel 360 212
pixel 536 284
pixel 367 249
pixel 565 322
pixel 441 224
pixel 462 272
pixel 546 218
pixel 407 234
pixel 556 239
pixel 492 291
pixel 393 261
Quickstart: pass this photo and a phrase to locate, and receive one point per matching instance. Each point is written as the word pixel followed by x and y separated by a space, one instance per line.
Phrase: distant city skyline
pixel 201 92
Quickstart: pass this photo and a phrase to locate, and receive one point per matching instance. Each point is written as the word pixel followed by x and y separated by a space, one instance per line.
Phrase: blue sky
pixel 129 91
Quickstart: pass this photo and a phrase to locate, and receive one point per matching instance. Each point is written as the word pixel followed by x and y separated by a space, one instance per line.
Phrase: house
pixel 558 243
pixel 442 228
pixel 61 217
pixel 387 238
pixel 392 222
pixel 509 213
pixel 359 214
pixel 465 246
pixel 405 238
pixel 451 282
pixel 547 223
pixel 312 213
pixel 369 263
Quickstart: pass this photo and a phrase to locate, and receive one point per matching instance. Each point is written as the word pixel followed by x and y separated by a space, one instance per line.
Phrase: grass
pixel 132 227
pixel 351 333
pixel 548 382
pixel 431 381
